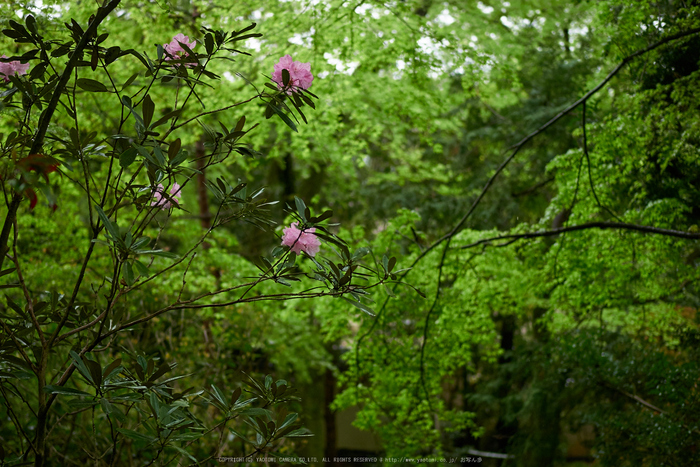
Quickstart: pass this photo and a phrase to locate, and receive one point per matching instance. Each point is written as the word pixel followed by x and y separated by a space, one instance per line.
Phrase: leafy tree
pixel 116 182
pixel 532 163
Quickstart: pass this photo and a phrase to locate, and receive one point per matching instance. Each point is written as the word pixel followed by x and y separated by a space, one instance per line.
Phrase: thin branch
pixel 532 188
pixel 586 226
pixel 588 162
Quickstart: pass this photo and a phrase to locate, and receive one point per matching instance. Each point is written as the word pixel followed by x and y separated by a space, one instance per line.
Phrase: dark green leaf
pixel 361 306
pixel 111 367
pixel 95 370
pixel 148 108
pixel 127 157
pixel 50 389
pixel 111 228
pixel 166 117
pixel 91 85
pixel 174 149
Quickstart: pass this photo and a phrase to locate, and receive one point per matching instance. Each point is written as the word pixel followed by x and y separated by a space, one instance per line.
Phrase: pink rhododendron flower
pixel 15 67
pixel 301 240
pixel 175 51
pixel 163 201
pixel 300 76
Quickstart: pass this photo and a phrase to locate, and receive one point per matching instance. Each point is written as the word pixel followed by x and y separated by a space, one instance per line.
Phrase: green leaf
pixel 284 117
pixel 80 365
pixel 95 370
pixel 300 433
pixel 127 157
pixel 126 100
pixel 51 389
pixel 288 420
pixel 146 154
pixel 161 253
pixel 111 228
pixel 183 452
pixel 236 395
pixel 174 149
pixel 360 253
pixel 166 117
pixel 130 80
pixel 389 292
pixel 111 368
pixel 128 274
pixel 7 271
pixel 256 412
pixel 162 369
pixel 159 156
pixel 209 43
pixel 134 435
pixel 107 408
pixel 216 392
pixel 30 21
pixel 301 208
pixel 91 85
pixel 361 306
pixel 148 109
pixel 141 268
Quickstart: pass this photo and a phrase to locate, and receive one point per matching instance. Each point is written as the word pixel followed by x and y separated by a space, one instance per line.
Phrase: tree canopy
pixel 505 192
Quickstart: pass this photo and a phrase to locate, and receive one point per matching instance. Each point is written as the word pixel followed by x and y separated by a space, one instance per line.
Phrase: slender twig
pixel 588 162
pixel 15 419
pixel 586 226
pixel 27 297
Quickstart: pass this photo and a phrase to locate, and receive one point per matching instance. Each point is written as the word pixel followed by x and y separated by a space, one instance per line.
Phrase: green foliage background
pixel 515 344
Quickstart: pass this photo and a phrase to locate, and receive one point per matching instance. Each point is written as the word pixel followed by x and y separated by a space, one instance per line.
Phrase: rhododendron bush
pixel 71 351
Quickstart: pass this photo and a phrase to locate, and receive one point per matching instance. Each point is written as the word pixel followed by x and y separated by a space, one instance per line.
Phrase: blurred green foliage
pixel 515 345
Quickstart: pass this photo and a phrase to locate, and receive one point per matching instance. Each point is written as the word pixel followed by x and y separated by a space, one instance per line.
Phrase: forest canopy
pixel 474 224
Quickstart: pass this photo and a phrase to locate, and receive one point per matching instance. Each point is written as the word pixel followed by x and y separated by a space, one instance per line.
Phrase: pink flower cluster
pixel 15 67
pixel 175 51
pixel 301 240
pixel 162 201
pixel 300 76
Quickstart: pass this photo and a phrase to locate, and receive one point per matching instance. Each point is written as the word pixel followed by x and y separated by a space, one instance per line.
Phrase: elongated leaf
pixel 111 367
pixel 111 228
pixel 80 365
pixel 174 149
pixel 50 389
pixel 164 254
pixel 127 157
pixel 95 370
pixel 91 85
pixel 7 271
pixel 256 412
pixel 107 408
pixel 162 369
pixel 284 117
pixel 134 435
pixel 166 117
pixel 361 306
pixel 148 109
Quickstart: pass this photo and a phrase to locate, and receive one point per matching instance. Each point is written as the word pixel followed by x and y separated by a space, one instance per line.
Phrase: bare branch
pixel 589 225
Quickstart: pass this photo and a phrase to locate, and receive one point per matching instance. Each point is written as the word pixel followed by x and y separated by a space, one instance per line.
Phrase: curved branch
pixel 586 226
pixel 518 146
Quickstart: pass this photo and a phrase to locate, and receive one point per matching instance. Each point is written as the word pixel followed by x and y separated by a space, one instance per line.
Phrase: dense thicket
pixel 425 143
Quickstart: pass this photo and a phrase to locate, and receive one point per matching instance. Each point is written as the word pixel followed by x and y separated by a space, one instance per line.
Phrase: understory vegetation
pixel 475 224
